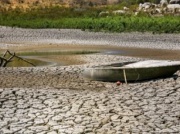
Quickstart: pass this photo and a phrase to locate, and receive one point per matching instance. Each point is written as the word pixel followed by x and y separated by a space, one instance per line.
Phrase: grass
pixel 88 19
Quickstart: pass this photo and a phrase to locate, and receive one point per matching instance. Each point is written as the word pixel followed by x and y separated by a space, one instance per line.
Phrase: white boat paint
pixel 151 63
pixel 134 71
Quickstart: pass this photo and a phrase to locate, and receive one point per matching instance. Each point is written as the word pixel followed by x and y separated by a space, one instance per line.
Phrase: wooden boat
pixel 133 71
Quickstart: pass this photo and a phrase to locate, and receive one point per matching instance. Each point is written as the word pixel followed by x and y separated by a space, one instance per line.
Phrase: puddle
pixel 19 63
pixel 59 55
pixel 48 58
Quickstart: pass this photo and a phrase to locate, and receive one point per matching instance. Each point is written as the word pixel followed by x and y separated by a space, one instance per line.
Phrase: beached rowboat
pixel 133 71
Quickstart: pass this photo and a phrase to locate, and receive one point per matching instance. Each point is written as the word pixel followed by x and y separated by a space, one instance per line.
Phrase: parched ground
pixel 59 100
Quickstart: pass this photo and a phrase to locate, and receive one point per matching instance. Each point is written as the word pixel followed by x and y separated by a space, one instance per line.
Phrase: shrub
pixel 61 17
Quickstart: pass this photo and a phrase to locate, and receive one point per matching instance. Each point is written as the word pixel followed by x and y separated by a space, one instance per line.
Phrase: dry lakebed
pixel 55 98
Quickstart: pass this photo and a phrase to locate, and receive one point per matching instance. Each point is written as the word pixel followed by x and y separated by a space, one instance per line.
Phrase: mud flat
pixel 58 100
pixel 70 36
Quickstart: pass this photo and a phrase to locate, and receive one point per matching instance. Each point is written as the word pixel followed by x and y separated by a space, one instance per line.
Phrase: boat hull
pixel 130 74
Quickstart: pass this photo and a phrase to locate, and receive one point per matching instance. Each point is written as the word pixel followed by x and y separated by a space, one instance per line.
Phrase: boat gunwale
pixel 101 67
pixel 123 66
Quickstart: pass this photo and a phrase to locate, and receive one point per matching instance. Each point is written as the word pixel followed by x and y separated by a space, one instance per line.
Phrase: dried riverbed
pixel 52 100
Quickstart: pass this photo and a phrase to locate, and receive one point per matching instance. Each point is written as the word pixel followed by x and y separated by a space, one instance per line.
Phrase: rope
pixel 124 72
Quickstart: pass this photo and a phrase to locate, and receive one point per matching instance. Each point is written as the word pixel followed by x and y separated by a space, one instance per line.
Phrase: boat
pixel 133 71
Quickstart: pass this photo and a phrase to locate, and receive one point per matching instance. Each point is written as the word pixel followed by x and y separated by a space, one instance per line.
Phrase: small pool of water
pixel 47 58
pixel 55 55
pixel 20 63
pixel 57 58
pixel 59 55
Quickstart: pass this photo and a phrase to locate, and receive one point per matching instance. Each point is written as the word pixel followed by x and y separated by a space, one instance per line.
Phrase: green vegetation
pixel 88 19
